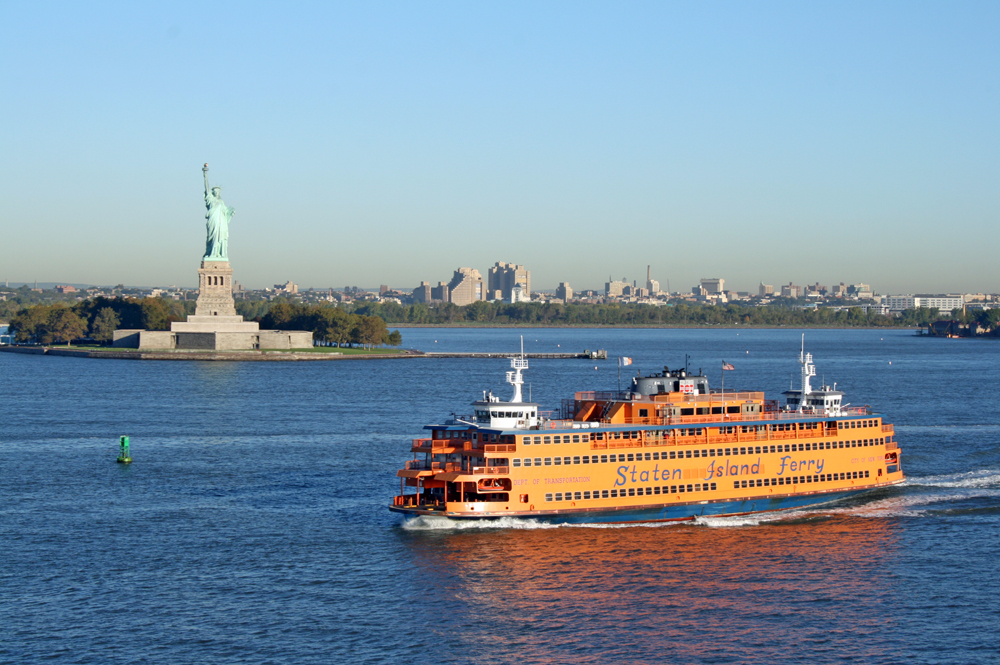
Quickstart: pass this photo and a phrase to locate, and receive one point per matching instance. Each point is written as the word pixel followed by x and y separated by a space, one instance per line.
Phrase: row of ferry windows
pixel 632 491
pixel 687 454
pixel 691 431
pixel 797 480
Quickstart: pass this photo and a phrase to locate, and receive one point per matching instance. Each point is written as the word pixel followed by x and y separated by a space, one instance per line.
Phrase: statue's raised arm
pixel 204 170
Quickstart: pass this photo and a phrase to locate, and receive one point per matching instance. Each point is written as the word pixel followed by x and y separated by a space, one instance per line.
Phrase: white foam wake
pixel 984 478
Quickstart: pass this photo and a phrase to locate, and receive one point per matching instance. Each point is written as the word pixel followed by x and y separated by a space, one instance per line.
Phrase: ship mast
pixel 514 378
pixel 808 370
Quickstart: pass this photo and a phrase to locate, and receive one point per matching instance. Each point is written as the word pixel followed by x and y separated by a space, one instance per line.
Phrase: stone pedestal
pixel 215 290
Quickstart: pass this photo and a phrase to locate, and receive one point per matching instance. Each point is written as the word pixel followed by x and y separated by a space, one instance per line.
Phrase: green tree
pixel 394 338
pixel 105 323
pixel 63 325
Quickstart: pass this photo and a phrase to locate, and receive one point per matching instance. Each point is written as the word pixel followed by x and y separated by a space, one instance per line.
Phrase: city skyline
pixel 388 145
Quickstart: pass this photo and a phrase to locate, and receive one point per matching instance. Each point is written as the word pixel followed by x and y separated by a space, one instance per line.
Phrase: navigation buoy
pixel 124 457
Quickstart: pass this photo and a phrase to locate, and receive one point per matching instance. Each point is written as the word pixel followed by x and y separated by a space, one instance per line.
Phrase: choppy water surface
pixel 252 525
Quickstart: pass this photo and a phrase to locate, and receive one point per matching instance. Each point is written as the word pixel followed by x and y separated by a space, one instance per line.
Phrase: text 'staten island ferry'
pixel 666 449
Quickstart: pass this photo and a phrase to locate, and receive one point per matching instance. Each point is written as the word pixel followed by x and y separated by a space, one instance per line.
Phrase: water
pixel 252 526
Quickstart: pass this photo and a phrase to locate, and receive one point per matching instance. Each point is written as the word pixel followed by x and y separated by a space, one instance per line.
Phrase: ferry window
pixel 558 461
pixel 696 453
pixel 758 450
pixel 538 440
pixel 576 496
pixel 648 456
pixel 713 486
pixel 643 413
pixel 585 438
pixel 656 490
pixel 688 454
pixel 527 461
pixel 689 488
pixel 704 453
pixel 576 438
pixel 687 412
pixel 640 491
pixel 680 489
pixel 548 497
pixel 744 483
pixel 781 481
pixel 517 462
pixel 586 459
pixel 656 455
pixel 616 435
pixel 614 493
pixel 526 440
pixel 673 454
pixel 599 436
pixel 548 439
pixel 673 489
pixel 728 452
pixel 558 496
pixel 576 460
pixel 586 495
pixel 736 484
pixel 604 459
pixel 866 473
pixel 631 457
pixel 732 409
pixel 604 494
pixel 767 482
pixel 556 439
pixel 743 451
pixel 538 461
pixel 631 491
pixel 548 461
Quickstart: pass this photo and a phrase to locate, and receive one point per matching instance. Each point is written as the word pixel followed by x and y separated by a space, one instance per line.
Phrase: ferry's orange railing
pixel 489 470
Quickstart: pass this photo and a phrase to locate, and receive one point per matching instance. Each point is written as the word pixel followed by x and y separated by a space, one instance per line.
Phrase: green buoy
pixel 124 457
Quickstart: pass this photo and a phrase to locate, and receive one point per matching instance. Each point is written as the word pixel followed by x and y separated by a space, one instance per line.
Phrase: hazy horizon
pixel 393 143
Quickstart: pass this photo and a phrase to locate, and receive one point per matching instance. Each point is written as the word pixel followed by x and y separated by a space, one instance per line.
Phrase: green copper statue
pixel 217 222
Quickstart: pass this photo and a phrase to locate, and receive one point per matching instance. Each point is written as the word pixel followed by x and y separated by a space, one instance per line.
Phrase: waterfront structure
pixel 215 325
pixel 503 277
pixel 668 448
pixel 944 303
pixel 465 287
pixel 564 292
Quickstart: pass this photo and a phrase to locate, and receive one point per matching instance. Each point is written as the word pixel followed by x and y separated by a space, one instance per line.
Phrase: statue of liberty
pixel 216 222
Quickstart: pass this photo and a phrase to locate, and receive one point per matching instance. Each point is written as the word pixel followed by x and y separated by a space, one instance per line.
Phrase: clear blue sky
pixel 386 143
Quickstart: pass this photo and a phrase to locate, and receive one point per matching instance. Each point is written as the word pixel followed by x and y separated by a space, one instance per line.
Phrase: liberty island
pixel 215 325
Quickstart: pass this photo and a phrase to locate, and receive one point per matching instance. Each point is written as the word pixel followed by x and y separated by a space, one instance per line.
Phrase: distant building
pixel 517 294
pixel 440 292
pixel 564 292
pixel 287 287
pixel 503 277
pixel 944 303
pixel 791 290
pixel 765 290
pixel 382 290
pixel 6 337
pixel 651 284
pixel 466 287
pixel 713 286
pixel 614 288
pixel 65 288
pixel 840 290
pixel 422 293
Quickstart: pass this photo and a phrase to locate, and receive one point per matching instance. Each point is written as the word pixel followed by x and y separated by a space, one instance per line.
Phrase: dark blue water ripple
pixel 252 525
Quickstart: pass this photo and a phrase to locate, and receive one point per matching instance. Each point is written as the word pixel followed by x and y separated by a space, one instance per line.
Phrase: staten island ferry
pixel 668 448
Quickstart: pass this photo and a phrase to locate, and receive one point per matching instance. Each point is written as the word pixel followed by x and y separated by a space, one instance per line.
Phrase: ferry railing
pixel 489 470
pixel 891 445
pixel 501 447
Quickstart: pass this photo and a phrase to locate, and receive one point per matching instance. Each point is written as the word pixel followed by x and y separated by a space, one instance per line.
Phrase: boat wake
pixel 983 478
pixel 435 523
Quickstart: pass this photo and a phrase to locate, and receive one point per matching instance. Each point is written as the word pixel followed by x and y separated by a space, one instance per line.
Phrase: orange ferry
pixel 668 448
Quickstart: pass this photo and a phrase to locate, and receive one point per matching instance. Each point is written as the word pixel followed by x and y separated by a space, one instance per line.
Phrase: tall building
pixel 466 287
pixel 713 286
pixel 651 284
pixel 440 292
pixel 503 277
pixel 614 287
pixel 423 293
pixel 791 290
pixel 944 303
pixel 564 292
pixel 765 290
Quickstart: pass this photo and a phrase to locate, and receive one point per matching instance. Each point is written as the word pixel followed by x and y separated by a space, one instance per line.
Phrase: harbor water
pixel 251 525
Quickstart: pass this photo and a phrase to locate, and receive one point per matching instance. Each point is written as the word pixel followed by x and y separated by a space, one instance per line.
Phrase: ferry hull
pixel 656 513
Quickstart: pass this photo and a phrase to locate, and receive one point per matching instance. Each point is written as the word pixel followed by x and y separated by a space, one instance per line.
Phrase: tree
pixel 394 338
pixel 63 325
pixel 104 325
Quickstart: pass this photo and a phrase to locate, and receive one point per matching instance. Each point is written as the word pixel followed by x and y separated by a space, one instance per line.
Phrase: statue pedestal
pixel 215 290
pixel 197 323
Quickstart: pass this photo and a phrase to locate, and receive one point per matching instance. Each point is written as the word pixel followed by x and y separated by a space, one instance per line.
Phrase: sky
pixel 389 143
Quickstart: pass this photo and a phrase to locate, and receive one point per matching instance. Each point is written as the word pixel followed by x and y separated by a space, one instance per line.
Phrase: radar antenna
pixel 518 364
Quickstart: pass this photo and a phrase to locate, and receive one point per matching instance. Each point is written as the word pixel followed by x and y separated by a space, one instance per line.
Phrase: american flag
pixel 727 366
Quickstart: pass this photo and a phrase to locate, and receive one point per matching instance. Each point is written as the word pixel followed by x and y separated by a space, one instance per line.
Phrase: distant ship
pixel 668 448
